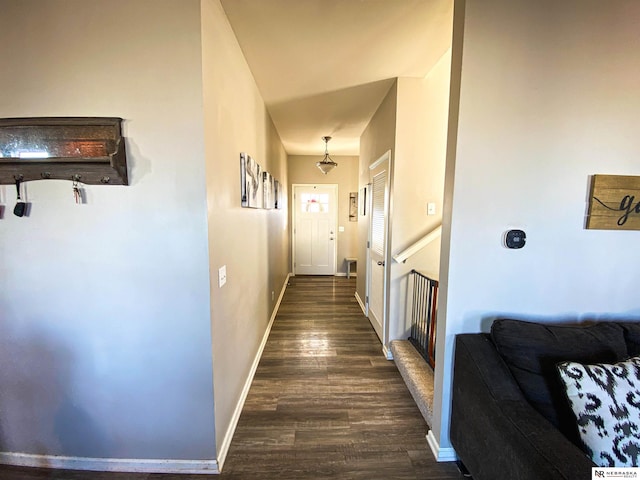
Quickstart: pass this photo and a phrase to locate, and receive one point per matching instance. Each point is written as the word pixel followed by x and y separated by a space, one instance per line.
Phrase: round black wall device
pixel 515 239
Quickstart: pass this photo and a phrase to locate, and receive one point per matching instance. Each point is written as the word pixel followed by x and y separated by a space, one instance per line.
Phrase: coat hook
pixel 78 191
pixel 76 177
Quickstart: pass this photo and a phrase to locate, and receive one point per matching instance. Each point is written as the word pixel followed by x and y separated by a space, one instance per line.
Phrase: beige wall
pixel 378 138
pixel 412 122
pixel 420 158
pixel 548 97
pixel 253 244
pixel 302 169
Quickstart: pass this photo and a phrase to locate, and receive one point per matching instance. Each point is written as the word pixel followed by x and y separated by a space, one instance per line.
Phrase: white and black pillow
pixel 606 402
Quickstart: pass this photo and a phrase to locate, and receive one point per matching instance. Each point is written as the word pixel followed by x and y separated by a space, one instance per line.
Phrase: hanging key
pixel 77 193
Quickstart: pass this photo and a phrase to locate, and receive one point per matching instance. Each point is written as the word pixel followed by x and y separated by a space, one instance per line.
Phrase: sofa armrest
pixel 496 433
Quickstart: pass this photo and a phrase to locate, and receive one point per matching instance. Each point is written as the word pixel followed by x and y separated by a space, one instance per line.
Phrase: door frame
pixel 334 187
pixel 367 207
pixel 385 157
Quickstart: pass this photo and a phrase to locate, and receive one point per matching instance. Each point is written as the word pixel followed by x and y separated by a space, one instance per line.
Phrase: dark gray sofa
pixel 509 417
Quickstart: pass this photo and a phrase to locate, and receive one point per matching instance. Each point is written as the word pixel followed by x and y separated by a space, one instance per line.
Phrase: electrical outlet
pixel 222 275
pixel 273 295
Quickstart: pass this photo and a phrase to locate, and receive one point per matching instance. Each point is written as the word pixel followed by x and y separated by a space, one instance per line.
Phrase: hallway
pixel 324 402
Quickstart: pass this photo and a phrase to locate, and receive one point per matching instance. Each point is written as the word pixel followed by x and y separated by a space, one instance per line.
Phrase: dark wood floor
pixel 324 403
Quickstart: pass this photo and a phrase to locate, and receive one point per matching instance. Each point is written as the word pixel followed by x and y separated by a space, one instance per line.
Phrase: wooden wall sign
pixel 90 150
pixel 614 203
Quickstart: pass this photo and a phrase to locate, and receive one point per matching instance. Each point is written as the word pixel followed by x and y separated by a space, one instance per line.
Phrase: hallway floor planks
pixel 324 403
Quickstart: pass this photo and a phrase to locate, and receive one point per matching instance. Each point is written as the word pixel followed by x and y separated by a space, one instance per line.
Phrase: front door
pixel 314 229
pixel 378 256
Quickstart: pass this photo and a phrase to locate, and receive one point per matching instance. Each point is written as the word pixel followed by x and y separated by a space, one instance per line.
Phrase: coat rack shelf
pixel 90 150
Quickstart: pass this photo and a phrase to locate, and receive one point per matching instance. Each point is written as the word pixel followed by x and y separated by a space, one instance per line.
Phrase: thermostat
pixel 515 239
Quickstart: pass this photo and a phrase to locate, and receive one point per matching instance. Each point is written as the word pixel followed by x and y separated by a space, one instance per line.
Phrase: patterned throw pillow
pixel 606 402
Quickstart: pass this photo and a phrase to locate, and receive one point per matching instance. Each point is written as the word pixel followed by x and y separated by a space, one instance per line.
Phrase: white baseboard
pixel 132 465
pixel 387 352
pixel 361 303
pixel 226 442
pixel 440 454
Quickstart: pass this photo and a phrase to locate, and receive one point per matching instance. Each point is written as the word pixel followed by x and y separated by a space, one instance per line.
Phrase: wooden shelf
pixel 89 150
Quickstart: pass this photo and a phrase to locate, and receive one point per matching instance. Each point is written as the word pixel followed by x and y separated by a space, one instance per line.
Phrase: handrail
pixel 419 245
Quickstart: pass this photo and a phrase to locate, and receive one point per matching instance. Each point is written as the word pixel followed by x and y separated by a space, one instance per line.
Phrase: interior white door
pixel 315 240
pixel 378 245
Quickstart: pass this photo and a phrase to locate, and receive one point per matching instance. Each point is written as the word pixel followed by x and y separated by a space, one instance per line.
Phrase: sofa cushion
pixel 532 350
pixel 605 399
pixel 632 337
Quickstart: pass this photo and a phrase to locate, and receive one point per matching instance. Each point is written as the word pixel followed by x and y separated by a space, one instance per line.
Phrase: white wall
pixel 420 158
pixel 105 339
pixel 548 97
pixel 252 244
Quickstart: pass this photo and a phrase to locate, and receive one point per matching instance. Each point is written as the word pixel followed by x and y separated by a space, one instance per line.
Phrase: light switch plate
pixel 222 275
pixel 431 208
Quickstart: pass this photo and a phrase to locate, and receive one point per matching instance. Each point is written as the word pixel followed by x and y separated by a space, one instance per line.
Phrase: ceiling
pixel 324 66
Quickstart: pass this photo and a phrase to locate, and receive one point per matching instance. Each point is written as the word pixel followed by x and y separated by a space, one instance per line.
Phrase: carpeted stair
pixel 417 374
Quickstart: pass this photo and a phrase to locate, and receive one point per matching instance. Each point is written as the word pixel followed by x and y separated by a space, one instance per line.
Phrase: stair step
pixel 417 374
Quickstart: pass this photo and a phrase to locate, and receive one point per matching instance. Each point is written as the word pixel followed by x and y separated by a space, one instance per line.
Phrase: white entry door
pixel 315 229
pixel 378 256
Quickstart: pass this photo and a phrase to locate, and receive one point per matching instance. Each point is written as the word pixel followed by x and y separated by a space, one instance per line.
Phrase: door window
pixel 314 202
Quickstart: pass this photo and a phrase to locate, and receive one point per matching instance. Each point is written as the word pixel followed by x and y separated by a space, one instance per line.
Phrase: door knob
pixel 381 264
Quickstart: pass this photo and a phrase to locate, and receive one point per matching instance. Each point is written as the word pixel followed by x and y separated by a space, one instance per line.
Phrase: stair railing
pixel 423 316
pixel 419 245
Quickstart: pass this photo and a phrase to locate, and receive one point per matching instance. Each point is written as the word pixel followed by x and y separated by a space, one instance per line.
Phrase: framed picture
pixel 363 201
pixel 277 194
pixel 268 190
pixel 353 207
pixel 244 199
pixel 251 182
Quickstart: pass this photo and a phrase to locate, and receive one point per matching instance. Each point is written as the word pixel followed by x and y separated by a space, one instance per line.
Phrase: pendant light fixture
pixel 326 165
